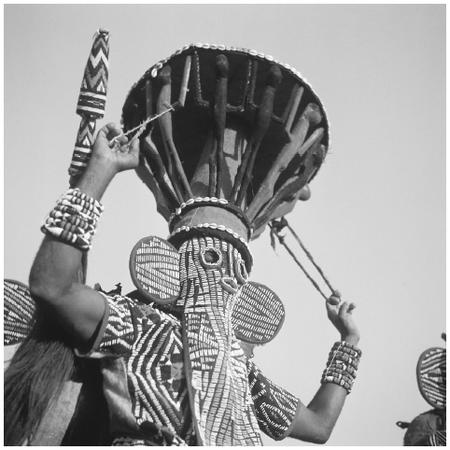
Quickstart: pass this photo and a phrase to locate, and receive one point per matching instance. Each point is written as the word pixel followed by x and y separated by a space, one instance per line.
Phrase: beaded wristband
pixel 342 364
pixel 74 219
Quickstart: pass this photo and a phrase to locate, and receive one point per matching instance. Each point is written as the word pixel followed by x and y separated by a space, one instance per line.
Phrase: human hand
pixel 122 155
pixel 340 315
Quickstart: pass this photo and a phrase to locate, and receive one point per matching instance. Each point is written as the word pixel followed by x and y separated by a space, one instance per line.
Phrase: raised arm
pixel 315 422
pixel 54 280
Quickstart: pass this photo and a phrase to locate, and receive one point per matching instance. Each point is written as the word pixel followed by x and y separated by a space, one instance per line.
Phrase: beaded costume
pixel 238 137
pixel 145 384
pixel 229 141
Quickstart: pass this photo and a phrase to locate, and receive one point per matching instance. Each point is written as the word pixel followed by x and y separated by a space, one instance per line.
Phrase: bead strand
pixel 342 365
pixel 74 219
pixel 211 226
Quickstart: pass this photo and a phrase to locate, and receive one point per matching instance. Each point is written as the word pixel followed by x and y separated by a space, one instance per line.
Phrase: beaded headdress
pixel 238 138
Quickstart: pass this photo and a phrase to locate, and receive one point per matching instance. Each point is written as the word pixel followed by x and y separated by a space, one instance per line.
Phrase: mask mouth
pixel 229 284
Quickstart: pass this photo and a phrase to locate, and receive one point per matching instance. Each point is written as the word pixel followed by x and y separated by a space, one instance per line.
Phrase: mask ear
pixel 18 312
pixel 258 314
pixel 155 270
pixel 431 375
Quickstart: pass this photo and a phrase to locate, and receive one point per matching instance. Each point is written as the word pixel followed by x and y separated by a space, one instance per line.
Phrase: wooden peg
pixel 288 193
pixel 311 116
pixel 151 154
pixel 174 166
pixel 184 82
pixel 263 119
pixel 219 115
pixel 292 108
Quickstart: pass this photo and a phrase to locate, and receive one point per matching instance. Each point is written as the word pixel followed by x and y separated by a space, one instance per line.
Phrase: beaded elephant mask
pixel 229 140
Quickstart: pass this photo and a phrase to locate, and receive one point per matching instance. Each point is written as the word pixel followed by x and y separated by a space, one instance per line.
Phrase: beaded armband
pixel 74 219
pixel 342 364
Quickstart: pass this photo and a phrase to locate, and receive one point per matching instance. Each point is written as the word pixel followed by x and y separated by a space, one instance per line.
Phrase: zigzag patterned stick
pixel 91 101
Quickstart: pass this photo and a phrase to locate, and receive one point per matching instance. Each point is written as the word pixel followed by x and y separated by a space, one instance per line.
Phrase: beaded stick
pixel 91 101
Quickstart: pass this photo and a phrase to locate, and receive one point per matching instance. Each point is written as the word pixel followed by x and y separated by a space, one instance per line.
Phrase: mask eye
pixel 241 272
pixel 211 258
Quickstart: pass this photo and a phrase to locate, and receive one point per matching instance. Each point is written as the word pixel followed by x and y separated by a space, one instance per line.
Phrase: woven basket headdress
pixel 236 130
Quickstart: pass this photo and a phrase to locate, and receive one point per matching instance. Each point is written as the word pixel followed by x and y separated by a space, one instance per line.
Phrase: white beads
pixel 191 201
pixel 251 52
pixel 211 226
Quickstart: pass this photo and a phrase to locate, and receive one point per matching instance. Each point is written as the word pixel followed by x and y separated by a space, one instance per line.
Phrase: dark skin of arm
pixel 316 422
pixel 54 284
pixel 53 277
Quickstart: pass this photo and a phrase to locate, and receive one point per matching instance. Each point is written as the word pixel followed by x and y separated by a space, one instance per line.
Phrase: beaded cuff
pixel 342 364
pixel 74 219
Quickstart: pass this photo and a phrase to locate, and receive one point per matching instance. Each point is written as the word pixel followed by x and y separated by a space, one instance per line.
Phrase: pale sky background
pixel 376 218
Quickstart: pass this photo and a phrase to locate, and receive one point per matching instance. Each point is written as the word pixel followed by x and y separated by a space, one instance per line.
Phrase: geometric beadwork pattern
pixel 91 101
pixel 217 372
pixel 438 439
pixel 118 336
pixel 18 312
pixel 152 388
pixel 427 429
pixel 432 375
pixel 155 269
pixel 150 342
pixel 275 407
pixel 83 145
pixel 258 314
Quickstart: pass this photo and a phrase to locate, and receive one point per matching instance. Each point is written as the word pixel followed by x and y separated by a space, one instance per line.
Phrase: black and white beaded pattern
pixel 210 201
pixel 150 342
pixel 275 407
pixel 342 365
pixel 219 385
pixel 192 201
pixel 155 268
pixel 18 312
pixel 432 376
pixel 118 336
pixel 74 219
pixel 211 226
pixel 438 439
pixel 258 314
